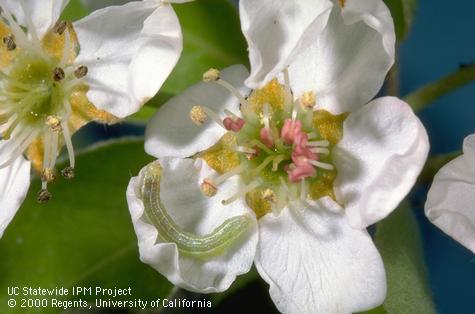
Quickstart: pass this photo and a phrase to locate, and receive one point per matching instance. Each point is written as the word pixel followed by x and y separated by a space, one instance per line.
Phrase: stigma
pixel 282 154
pixel 35 91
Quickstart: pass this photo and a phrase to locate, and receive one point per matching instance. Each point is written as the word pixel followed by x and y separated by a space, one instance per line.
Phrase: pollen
pixel 9 42
pixel 308 100
pixel 269 196
pixel 208 188
pixel 54 123
pixel 198 115
pixel 211 75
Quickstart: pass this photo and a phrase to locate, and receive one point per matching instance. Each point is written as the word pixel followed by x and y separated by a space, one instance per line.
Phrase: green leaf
pixel 403 13
pixel 74 11
pixel 212 39
pixel 83 236
pixel 398 240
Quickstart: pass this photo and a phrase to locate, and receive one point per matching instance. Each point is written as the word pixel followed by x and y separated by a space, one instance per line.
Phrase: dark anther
pixel 58 74
pixel 68 173
pixel 81 71
pixel 9 41
pixel 44 196
pixel 60 27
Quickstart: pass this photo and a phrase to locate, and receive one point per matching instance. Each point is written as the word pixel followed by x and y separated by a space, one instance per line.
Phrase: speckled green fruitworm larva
pixel 212 244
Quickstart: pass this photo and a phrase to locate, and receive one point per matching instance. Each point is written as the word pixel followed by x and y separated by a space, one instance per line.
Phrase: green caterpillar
pixel 212 244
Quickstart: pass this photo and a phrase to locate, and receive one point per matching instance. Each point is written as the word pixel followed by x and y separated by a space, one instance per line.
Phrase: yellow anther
pixel 307 100
pixel 208 188
pixel 54 123
pixel 342 3
pixel 211 75
pixel 270 196
pixel 198 115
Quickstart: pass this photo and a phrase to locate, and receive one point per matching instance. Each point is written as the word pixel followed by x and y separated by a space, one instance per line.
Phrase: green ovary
pixel 31 91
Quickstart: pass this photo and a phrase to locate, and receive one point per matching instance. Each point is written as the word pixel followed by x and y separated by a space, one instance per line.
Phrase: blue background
pixel 442 38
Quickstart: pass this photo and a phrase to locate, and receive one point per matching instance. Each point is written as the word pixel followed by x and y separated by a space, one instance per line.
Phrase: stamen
pixel 198 115
pixel 260 145
pixel 81 71
pixel 208 188
pixel 16 146
pixel 14 27
pixel 264 164
pixel 29 22
pixel 320 164
pixel 308 100
pixel 14 82
pixel 303 190
pixel 44 196
pixel 241 193
pixel 320 150
pixel 60 27
pixel 269 196
pixel 235 171
pixel 277 161
pixel 233 125
pixel 69 145
pixel 233 91
pixel 266 115
pixel 243 149
pixel 58 74
pixel 211 75
pixel 54 123
pixel 9 41
pixel 322 143
pixel 48 175
pixel 68 173
pixel 67 48
pixel 288 92
pixel 312 135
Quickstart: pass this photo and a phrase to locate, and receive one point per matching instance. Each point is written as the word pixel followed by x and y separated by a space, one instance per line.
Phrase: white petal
pixel 315 262
pixel 43 14
pixel 94 4
pixel 190 209
pixel 14 184
pixel 383 149
pixel 347 63
pixel 451 199
pixel 274 30
pixel 172 133
pixel 128 61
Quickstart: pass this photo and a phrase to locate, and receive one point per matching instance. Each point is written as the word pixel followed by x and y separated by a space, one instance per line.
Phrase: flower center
pixel 282 154
pixel 35 90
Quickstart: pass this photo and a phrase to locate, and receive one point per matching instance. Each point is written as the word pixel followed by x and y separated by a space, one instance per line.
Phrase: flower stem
pixel 424 96
pixel 433 165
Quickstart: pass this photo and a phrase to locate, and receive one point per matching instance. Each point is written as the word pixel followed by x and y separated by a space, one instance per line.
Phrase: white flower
pixel 451 199
pixel 56 76
pixel 293 152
